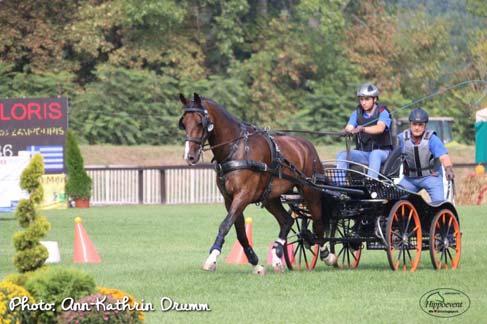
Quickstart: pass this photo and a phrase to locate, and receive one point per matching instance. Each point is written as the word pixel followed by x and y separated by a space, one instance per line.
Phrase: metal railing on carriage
pixel 120 185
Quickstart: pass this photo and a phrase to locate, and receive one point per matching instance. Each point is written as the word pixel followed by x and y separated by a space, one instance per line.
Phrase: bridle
pixel 205 123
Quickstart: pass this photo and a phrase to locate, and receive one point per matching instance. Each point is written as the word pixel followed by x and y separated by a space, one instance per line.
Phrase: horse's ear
pixel 183 99
pixel 197 99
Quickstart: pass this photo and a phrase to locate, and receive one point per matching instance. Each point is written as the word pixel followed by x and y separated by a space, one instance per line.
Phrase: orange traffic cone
pixel 237 254
pixel 84 250
pixel 290 253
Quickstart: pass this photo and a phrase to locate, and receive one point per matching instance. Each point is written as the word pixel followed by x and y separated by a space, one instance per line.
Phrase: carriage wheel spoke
pixel 404 255
pixel 293 242
pixel 399 254
pixel 297 249
pixel 449 255
pixel 340 232
pixel 339 253
pixel 298 225
pixel 409 220
pixel 443 256
pixel 348 256
pixel 449 226
pixel 410 257
pixel 305 258
pixel 414 230
pixel 300 255
pixel 397 235
pixel 312 252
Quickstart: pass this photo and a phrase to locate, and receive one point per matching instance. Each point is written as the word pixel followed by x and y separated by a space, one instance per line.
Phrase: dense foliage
pixel 78 182
pixel 31 254
pixel 55 284
pixel 292 64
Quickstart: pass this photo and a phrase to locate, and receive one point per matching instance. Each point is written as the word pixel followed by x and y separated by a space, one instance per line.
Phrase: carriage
pixel 373 214
pixel 254 165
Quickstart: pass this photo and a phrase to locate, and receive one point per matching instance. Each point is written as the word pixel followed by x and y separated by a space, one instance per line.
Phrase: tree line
pixel 283 64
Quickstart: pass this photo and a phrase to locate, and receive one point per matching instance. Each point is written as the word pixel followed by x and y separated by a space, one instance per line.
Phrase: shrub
pixel 55 284
pixel 30 253
pixel 20 279
pixel 78 184
pixel 8 291
pixel 95 316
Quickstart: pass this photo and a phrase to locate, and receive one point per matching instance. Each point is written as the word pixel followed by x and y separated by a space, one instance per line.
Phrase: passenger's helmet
pixel 367 90
pixel 418 115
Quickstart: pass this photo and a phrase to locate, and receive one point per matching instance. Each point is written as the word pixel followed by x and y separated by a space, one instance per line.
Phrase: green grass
pixel 156 251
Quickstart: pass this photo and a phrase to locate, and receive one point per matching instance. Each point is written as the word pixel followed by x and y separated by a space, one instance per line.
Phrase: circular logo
pixel 444 302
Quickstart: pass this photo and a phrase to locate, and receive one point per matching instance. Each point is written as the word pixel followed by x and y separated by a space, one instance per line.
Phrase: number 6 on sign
pixel 6 150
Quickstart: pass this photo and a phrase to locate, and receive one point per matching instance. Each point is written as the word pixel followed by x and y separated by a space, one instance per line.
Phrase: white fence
pixel 153 185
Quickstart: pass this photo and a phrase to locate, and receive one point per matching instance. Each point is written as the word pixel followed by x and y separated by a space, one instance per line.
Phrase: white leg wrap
pixel 259 270
pixel 210 263
pixel 331 259
pixel 276 261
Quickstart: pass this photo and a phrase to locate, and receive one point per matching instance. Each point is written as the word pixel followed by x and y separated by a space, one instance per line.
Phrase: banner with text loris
pixel 37 125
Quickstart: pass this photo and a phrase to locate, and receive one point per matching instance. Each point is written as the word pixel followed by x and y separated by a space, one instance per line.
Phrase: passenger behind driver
pixel 423 154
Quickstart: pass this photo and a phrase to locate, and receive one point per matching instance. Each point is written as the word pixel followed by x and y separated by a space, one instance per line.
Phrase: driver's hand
pixel 450 176
pixel 358 129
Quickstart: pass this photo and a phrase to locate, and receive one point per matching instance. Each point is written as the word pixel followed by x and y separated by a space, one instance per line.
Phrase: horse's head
pixel 196 123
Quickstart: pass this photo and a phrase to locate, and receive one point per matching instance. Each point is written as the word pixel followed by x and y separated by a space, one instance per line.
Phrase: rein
pixel 208 147
pixel 338 134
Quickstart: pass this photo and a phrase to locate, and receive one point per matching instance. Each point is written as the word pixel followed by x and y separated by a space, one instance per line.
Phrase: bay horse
pixel 252 166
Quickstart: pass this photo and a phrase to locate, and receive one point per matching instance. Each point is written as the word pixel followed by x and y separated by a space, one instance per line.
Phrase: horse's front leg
pixel 236 208
pixel 244 242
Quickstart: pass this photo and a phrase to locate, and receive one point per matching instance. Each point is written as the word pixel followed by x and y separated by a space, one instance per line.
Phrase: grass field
pixel 157 251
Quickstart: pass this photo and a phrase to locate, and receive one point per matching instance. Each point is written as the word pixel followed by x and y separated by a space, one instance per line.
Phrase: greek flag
pixel 53 156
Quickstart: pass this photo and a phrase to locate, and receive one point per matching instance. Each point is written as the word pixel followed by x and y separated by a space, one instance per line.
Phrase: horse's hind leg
pixel 313 200
pixel 285 221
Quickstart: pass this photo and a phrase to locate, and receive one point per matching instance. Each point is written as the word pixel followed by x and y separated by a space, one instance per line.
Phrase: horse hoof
pixel 209 266
pixel 330 260
pixel 259 270
pixel 278 267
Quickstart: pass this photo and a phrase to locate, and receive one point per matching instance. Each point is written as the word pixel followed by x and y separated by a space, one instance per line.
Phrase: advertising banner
pixel 35 125
pixel 30 126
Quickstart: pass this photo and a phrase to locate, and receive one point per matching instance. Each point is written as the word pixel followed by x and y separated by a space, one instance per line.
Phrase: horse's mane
pixel 223 110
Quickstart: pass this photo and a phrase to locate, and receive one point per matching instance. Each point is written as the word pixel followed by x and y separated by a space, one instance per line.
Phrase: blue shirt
pixel 384 117
pixel 436 146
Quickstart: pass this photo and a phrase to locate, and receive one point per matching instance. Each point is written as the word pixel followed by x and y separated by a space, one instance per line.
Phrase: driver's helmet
pixel 418 115
pixel 367 90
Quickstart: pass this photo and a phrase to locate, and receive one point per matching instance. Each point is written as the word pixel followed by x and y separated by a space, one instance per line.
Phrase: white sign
pixel 11 168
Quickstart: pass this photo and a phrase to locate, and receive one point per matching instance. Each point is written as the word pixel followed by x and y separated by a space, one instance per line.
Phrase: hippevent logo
pixel 444 302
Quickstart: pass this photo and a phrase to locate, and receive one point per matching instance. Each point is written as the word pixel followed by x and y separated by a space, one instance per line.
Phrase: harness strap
pixel 225 167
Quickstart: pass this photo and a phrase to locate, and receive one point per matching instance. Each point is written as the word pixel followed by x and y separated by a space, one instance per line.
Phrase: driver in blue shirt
pixel 371 121
pixel 424 153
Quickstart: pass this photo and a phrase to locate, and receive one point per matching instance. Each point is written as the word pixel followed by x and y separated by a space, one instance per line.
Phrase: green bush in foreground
pixel 31 255
pixel 56 284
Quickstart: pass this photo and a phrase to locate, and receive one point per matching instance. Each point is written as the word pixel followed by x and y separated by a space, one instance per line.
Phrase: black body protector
pixel 369 142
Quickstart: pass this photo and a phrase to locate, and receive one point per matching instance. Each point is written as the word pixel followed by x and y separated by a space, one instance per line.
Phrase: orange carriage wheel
pixel 300 252
pixel 346 249
pixel 404 237
pixel 445 240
